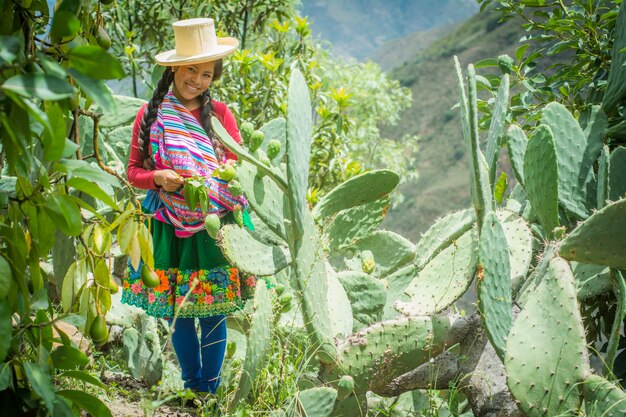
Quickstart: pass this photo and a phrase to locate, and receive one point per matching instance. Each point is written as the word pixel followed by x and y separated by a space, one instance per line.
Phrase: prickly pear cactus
pixel 444 279
pixel 603 398
pixel 600 238
pixel 258 343
pixel 546 351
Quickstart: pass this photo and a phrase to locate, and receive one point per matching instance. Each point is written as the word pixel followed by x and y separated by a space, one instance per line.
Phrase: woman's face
pixel 192 80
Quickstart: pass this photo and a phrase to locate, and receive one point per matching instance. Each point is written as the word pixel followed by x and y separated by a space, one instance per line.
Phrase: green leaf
pixel 84 376
pixel 87 171
pixel 9 49
pixel 39 85
pixel 54 139
pixel 102 273
pixel 6 329
pixel 6 376
pixel 145 244
pixel 64 24
pixel 87 402
pixel 94 89
pixel 41 381
pixel 125 234
pixel 93 189
pixel 68 357
pixel 6 277
pixel 95 62
pixel 500 187
pixel 65 213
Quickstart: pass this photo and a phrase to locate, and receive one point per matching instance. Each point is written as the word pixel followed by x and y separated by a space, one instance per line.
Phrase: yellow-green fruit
pixel 235 188
pixel 285 301
pixel 73 102
pixel 367 262
pixel 246 132
pixel 273 148
pixel 345 387
pixel 256 140
pixel 149 278
pixel 103 39
pixel 226 172
pixel 212 224
pixel 99 331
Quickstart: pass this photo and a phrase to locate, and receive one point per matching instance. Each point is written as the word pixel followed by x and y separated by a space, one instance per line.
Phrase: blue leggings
pixel 200 362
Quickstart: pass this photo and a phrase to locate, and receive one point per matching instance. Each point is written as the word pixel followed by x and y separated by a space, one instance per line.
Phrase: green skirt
pixel 196 279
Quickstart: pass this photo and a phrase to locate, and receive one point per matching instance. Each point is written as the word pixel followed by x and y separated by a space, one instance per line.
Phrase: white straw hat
pixel 196 42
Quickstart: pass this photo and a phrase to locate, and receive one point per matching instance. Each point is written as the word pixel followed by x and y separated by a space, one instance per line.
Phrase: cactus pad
pixel 617 174
pixel 367 297
pixel 494 289
pixel 570 143
pixel 339 308
pixel 591 280
pixel 603 398
pixel 259 339
pixel 358 190
pixel 317 402
pixel 442 234
pixel 355 223
pixel 251 255
pixel 602 189
pixel 390 250
pixel 516 141
pixel 600 238
pixel 377 354
pixel 519 239
pixel 444 279
pixel 546 351
pixel 541 178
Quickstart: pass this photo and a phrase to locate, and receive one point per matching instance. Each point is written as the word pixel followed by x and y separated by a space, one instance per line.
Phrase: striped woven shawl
pixel 179 143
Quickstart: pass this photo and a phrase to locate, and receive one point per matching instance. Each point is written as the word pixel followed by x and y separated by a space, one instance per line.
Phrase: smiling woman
pixel 173 140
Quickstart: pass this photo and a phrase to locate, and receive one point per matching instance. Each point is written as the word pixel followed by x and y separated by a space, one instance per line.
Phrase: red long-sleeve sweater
pixel 144 179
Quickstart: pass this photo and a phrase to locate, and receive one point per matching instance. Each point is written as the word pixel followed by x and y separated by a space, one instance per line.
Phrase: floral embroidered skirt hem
pixel 195 278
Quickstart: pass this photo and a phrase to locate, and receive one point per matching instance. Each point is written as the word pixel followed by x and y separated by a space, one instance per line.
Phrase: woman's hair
pixel 150 115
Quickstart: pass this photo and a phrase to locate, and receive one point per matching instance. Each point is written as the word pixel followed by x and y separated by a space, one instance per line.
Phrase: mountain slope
pixel 357 27
pixel 442 161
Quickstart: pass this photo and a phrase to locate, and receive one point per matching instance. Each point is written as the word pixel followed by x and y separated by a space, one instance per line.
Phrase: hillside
pixel 442 161
pixel 356 28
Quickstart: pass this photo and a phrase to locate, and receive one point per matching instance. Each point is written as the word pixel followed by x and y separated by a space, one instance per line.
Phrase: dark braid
pixel 207 112
pixel 150 116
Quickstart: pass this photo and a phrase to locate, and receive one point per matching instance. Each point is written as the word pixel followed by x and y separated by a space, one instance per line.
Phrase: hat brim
pixel 225 47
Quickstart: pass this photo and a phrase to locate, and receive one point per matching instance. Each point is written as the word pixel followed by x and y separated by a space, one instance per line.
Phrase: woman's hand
pixel 168 180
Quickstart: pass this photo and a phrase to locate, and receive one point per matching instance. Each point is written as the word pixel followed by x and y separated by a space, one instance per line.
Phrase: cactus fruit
pixel 345 386
pixel 212 224
pixel 235 188
pixel 600 238
pixel 262 157
pixel 149 278
pixel 285 301
pixel 367 262
pixel 494 289
pixel 99 331
pixel 246 130
pixel 226 172
pixel 238 215
pixel 390 251
pixel 541 177
pixel 273 148
pixel 256 140
pixel 505 63
pixel 546 351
